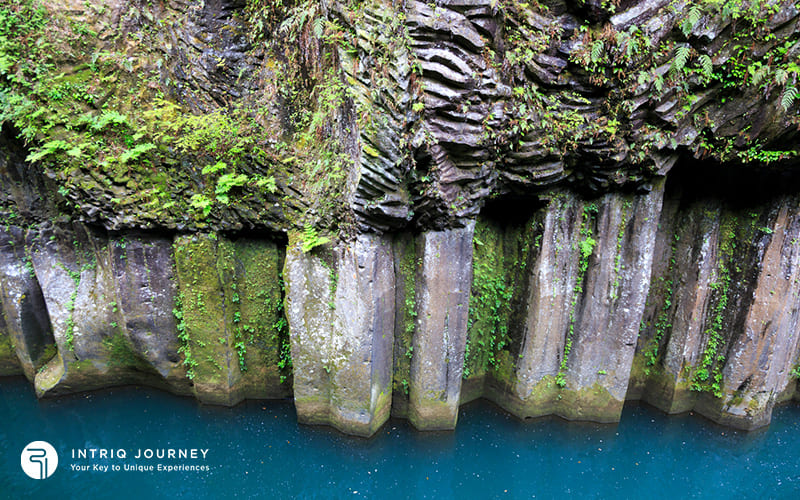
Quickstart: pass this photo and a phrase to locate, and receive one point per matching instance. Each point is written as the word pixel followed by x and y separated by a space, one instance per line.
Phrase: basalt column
pixel 340 305
pixel 26 339
pixel 444 277
pixel 720 332
pixel 109 300
pixel 588 274
pixel 229 305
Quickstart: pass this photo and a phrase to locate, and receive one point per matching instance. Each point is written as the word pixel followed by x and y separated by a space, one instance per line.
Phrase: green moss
pixel 499 285
pixel 490 301
pixel 202 309
pixel 663 323
pixel 7 350
pixel 49 352
pixel 262 328
pixel 431 413
pixel 69 331
pixel 9 364
pixel 49 375
pixel 94 122
pixel 623 225
pixel 407 314
pixel 183 337
pixel 121 354
pixel 592 403
pixel 234 333
pixel 586 248
pixel 707 375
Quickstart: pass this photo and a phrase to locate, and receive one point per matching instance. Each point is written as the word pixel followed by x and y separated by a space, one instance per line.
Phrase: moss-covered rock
pixel 229 307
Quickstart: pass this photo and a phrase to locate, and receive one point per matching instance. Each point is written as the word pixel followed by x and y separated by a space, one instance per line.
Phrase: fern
pixel 137 151
pixel 201 202
pixel 98 123
pixel 706 65
pixel 681 57
pixel 789 95
pixel 691 20
pixel 311 239
pixel 597 50
pixel 758 72
pixel 319 27
pixel 268 183
pixel 48 148
pixel 658 83
pixel 227 182
pixel 631 49
pixel 213 169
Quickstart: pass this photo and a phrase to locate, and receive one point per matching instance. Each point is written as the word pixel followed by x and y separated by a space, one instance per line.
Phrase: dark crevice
pixel 512 210
pixel 739 186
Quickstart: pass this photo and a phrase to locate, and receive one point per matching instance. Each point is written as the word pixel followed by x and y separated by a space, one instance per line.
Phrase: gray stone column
pixel 443 287
pixel 340 306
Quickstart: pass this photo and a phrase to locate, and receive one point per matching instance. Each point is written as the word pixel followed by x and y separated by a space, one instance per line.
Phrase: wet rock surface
pixel 382 208
pixel 340 309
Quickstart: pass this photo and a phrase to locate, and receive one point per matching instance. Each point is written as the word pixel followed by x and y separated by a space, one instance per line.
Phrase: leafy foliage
pixel 789 96
pixel 692 18
pixel 311 239
pixel 682 53
pixel 227 182
pixel 597 50
pixel 48 148
pixel 706 65
pixel 136 152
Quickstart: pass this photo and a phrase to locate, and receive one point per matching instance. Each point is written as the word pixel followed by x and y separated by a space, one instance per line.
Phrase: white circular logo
pixel 39 460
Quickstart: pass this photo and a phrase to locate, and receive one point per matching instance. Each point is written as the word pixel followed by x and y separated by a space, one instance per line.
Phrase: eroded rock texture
pixel 340 308
pixel 392 208
pixel 712 321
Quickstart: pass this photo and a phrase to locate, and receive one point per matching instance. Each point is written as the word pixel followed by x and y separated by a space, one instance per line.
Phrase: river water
pixel 258 450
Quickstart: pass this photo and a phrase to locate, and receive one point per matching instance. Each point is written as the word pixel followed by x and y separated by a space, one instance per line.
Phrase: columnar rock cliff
pixel 392 208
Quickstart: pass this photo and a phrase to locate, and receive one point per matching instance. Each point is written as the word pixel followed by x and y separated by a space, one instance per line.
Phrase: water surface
pixel 257 450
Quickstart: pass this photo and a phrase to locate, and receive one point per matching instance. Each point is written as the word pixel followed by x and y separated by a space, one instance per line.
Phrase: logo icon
pixel 39 460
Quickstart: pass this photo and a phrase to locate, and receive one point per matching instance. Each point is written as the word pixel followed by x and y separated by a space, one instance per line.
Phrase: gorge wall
pixel 393 208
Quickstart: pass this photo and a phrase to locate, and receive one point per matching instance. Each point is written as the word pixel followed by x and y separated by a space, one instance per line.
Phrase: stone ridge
pixel 570 309
pixel 507 99
pixel 394 208
pixel 378 116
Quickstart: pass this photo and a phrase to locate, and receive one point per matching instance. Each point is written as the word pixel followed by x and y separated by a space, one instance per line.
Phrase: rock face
pixel 444 275
pixel 340 308
pixel 712 322
pixel 555 321
pixel 386 208
pixel 569 307
pixel 25 320
pixel 229 304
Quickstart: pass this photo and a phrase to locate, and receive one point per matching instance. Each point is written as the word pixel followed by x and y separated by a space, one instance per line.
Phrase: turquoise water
pixel 257 450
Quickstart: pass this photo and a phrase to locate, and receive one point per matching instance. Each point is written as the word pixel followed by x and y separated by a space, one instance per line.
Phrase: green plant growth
pixel 121 353
pixel 95 124
pixel 707 375
pixel 500 259
pixel 69 332
pixel 586 248
pixel 280 335
pixel 183 337
pixel 618 257
pixel 254 294
pixel 663 324
pixel 407 315
pixel 311 239
pixel 490 303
